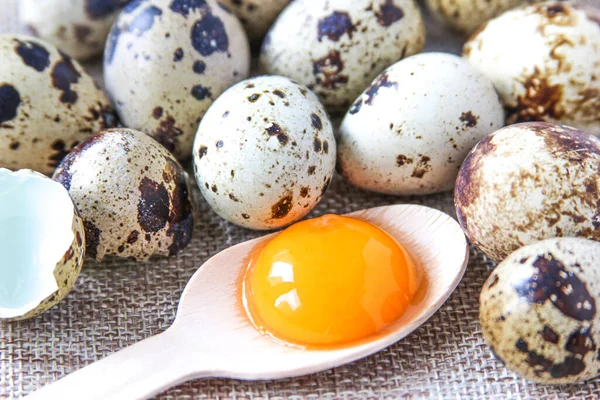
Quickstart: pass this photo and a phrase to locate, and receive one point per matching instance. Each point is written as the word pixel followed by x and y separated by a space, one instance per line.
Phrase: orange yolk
pixel 328 281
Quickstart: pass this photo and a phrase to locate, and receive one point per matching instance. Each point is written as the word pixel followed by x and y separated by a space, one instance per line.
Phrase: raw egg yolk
pixel 328 281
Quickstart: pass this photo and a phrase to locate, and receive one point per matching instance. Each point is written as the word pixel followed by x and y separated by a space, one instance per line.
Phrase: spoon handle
pixel 137 372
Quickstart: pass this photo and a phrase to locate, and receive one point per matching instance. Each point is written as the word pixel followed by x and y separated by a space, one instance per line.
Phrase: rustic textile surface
pixel 118 303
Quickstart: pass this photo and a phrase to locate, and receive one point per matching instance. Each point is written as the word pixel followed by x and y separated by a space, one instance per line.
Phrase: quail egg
pixel 538 310
pixel 405 135
pixel 264 153
pixel 167 60
pixel 337 47
pixel 41 241
pixel 257 16
pixel 466 16
pixel 529 182
pixel 78 27
pixel 544 60
pixel 48 104
pixel 131 193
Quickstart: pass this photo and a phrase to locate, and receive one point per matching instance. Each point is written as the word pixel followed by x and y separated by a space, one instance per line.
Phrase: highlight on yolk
pixel 328 281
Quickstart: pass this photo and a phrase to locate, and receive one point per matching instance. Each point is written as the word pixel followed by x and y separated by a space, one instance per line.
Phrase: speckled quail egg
pixel 338 47
pixel 538 310
pixel 405 135
pixel 466 16
pixel 544 60
pixel 166 61
pixel 48 104
pixel 78 27
pixel 529 182
pixel 132 194
pixel 257 16
pixel 41 241
pixel 264 153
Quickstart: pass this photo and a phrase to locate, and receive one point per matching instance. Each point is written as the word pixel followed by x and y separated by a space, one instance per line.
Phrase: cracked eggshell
pixel 48 104
pixel 544 60
pixel 132 194
pixel 257 16
pixel 529 182
pixel 264 154
pixel 42 243
pixel 539 310
pixel 166 61
pixel 337 48
pixel 410 131
pixel 78 27
pixel 466 16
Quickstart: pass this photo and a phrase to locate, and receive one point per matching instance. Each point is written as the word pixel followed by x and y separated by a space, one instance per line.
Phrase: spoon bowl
pixel 213 337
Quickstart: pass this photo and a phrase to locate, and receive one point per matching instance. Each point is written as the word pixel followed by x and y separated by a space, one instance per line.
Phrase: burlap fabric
pixel 118 303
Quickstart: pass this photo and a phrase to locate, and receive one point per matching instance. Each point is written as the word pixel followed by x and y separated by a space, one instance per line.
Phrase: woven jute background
pixel 118 303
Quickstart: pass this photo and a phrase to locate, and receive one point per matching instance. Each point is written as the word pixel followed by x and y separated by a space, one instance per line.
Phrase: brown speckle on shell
pixel 282 208
pixel 421 167
pixel 550 335
pixel 154 205
pixel 402 160
pixel 469 119
pixel 64 76
pixel 316 121
pixel 541 100
pixel 382 81
pixel 389 13
pixel 202 152
pixel 334 26
pixel 157 112
pixel 564 290
pixel 328 70
pixel 277 131
pixel 317 145
pixel 92 238
pixel 167 133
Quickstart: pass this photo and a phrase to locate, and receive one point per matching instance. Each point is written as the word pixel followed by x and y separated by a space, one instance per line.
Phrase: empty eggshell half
pixel 539 310
pixel 132 194
pixel 42 244
pixel 544 60
pixel 77 27
pixel 410 131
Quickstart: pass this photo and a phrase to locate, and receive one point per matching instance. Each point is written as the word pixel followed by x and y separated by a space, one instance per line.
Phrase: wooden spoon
pixel 212 336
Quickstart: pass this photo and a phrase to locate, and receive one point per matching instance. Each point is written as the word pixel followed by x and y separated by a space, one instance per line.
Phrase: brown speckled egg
pixel 529 182
pixel 166 61
pixel 264 153
pixel 257 16
pixel 132 194
pixel 42 244
pixel 48 104
pixel 544 60
pixel 78 27
pixel 466 16
pixel 539 310
pixel 337 47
